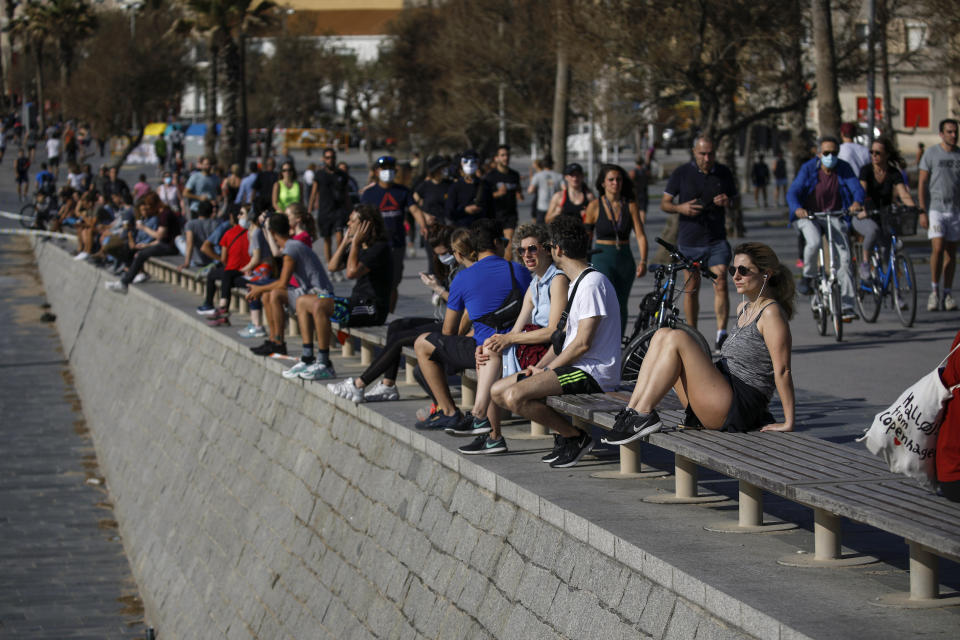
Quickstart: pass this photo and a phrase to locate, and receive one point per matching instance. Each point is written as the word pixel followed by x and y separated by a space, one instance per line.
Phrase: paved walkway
pixel 63 573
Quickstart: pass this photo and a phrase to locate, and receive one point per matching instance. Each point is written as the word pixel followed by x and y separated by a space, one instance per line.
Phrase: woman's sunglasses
pixel 532 249
pixel 742 270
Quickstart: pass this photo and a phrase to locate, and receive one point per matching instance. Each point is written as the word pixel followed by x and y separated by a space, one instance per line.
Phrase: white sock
pixel 934 286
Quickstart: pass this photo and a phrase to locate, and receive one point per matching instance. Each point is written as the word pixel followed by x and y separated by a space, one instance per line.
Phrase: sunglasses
pixel 874 152
pixel 828 153
pixel 742 270
pixel 532 249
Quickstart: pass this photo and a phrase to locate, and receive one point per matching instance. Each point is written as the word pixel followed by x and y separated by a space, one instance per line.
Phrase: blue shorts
pixel 717 253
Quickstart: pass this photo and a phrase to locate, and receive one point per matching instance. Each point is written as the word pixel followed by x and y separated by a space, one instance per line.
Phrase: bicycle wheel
pixel 633 354
pixel 819 307
pixel 836 310
pixel 28 216
pixel 904 289
pixel 869 295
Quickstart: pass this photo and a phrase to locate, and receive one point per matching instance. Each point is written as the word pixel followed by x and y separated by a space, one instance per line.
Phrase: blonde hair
pixel 780 282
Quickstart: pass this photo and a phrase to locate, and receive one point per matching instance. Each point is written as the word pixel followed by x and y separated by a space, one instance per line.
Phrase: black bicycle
pixel 658 310
pixel 36 214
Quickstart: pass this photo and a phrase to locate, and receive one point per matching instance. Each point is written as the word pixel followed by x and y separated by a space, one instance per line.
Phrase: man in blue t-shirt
pixel 392 200
pixel 699 192
pixel 480 290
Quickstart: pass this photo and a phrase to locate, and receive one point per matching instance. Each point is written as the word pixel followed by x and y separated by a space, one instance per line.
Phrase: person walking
pixel 939 193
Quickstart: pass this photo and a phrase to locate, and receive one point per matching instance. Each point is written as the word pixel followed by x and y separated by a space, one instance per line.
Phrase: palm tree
pixel 222 24
pixel 32 28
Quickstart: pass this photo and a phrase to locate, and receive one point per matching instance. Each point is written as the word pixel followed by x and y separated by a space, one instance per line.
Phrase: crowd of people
pixel 536 309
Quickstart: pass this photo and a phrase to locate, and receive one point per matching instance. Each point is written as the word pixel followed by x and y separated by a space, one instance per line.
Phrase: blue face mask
pixel 828 161
pixel 447 259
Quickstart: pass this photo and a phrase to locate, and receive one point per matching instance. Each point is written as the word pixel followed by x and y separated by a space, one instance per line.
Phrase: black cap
pixel 469 154
pixel 572 168
pixel 436 163
pixel 387 162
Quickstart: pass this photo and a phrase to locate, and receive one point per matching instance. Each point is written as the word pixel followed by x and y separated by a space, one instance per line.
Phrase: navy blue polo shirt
pixel 687 183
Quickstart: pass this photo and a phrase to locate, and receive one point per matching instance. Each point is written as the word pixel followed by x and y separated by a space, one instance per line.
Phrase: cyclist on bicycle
pixel 825 183
pixel 882 181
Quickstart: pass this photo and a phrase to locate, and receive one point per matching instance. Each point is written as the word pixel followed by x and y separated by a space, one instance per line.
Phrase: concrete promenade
pixel 63 573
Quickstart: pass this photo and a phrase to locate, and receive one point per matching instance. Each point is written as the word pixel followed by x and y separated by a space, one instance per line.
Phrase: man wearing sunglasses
pixel 825 183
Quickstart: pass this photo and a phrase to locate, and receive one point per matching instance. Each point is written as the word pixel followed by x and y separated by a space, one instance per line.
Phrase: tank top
pixel 540 293
pixel 287 195
pixel 747 355
pixel 617 229
pixel 569 208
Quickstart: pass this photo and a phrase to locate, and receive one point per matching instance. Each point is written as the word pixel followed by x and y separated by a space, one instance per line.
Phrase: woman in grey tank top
pixel 734 394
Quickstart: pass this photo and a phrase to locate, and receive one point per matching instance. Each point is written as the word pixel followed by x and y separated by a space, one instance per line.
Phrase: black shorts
pixel 455 353
pixel 328 223
pixel 22 178
pixel 509 221
pixel 749 408
pixel 573 380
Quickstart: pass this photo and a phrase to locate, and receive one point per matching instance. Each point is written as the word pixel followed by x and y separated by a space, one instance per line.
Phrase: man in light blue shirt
pixel 245 192
pixel 201 186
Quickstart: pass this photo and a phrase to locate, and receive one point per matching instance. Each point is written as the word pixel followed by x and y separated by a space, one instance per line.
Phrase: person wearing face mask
pixel 168 192
pixel 234 255
pixel 825 183
pixel 468 199
pixel 392 200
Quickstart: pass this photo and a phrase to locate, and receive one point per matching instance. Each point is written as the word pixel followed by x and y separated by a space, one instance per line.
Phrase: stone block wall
pixel 256 507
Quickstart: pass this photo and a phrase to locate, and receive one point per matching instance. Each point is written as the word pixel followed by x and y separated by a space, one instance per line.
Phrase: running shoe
pixel 381 393
pixel 634 428
pixel 219 321
pixel 252 331
pixel 471 427
pixel 206 309
pixel 439 420
pixel 573 449
pixel 317 371
pixel 949 304
pixel 933 302
pixel 116 286
pixel 269 347
pixel 83 255
pixel 346 389
pixel 141 277
pixel 483 444
pixel 558 442
pixel 296 370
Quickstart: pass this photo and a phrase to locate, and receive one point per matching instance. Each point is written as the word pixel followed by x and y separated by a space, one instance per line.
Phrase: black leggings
pixel 226 278
pixel 158 249
pixel 401 333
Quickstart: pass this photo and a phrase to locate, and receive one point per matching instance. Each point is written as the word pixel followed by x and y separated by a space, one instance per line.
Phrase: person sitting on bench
pixel 734 394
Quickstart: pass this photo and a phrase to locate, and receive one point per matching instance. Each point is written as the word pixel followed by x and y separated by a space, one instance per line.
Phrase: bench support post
pixel 630 465
pixel 924 584
pixel 826 535
pixel 408 370
pixel 347 348
pixel 366 353
pixel 685 483
pixel 468 392
pixel 750 514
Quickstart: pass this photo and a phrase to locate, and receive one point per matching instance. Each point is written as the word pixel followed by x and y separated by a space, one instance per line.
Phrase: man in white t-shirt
pixel 53 154
pixel 589 361
pixel 856 155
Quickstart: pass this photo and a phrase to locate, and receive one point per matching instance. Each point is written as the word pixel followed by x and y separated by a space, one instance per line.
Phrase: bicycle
pixel 657 310
pixel 893 275
pixel 826 299
pixel 36 214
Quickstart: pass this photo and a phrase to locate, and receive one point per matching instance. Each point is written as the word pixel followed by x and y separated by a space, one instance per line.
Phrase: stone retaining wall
pixel 253 506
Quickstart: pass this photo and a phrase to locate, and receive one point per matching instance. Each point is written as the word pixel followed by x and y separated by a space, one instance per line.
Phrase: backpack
pixel 48 186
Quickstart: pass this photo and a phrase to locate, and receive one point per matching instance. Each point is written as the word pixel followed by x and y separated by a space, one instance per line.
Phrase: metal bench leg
pixel 827 529
pixel 685 483
pixel 366 353
pixel 630 465
pixel 750 514
pixel 924 584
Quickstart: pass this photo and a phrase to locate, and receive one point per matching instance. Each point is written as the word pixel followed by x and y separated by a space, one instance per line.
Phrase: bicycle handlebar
pixel 684 261
pixel 828 214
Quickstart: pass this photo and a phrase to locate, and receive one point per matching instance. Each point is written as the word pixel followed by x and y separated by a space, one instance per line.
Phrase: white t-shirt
pixel 597 298
pixel 53 148
pixel 856 155
pixel 308 176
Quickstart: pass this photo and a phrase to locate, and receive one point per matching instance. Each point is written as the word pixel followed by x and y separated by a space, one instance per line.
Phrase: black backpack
pixel 504 316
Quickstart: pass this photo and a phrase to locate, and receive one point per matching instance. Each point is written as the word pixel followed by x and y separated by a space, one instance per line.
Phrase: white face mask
pixel 167 180
pixel 387 175
pixel 469 167
pixel 447 259
pixel 244 223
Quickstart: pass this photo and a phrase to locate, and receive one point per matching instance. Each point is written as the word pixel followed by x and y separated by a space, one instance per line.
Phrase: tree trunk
pixel 727 154
pixel 883 19
pixel 6 48
pixel 230 151
pixel 561 99
pixel 132 143
pixel 210 137
pixel 38 59
pixel 798 148
pixel 244 133
pixel 828 95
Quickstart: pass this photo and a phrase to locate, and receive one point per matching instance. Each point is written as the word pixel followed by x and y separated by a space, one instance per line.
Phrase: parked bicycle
pixel 658 309
pixel 891 270
pixel 36 214
pixel 826 301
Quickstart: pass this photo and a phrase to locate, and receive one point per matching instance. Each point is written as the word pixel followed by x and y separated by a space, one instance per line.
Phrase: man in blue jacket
pixel 826 183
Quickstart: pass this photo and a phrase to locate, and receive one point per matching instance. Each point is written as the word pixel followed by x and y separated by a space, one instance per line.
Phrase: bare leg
pixel 691 299
pixel 526 398
pixel 305 318
pixel 508 251
pixel 721 299
pixel 487 374
pixel 936 259
pixel 322 310
pixel 678 358
pixel 434 374
pixel 949 263
pixel 273 307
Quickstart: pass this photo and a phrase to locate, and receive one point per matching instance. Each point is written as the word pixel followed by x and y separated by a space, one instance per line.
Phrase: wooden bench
pixel 834 480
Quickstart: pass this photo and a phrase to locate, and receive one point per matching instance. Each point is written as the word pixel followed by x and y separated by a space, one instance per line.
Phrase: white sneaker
pixel 116 286
pixel 83 255
pixel 295 370
pixel 317 371
pixel 252 331
pixel 933 302
pixel 141 277
pixel 381 393
pixel 346 389
pixel 949 304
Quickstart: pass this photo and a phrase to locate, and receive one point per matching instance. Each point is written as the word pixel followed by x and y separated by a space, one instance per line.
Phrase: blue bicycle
pixel 891 271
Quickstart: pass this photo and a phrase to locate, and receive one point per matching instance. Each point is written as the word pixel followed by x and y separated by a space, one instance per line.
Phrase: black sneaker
pixel 622 415
pixel 635 428
pixel 557 448
pixel 439 420
pixel 574 449
pixel 482 444
pixel 473 428
pixel 466 423
pixel 269 347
